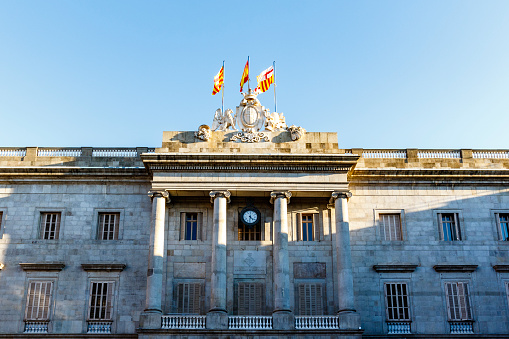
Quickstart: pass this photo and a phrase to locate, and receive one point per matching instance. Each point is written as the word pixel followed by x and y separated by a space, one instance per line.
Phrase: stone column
pixel 348 318
pixel 217 317
pixel 282 315
pixel 151 316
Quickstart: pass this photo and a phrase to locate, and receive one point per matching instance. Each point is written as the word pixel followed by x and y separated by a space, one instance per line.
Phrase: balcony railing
pixel 490 154
pixel 439 154
pixel 99 327
pixel 315 322
pixel 59 152
pixel 398 327
pixel 183 321
pixel 36 327
pixel 461 327
pixel 384 154
pixel 250 322
pixel 13 152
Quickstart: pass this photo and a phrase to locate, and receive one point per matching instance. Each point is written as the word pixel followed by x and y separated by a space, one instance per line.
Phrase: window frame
pixel 459 225
pixel 43 224
pixel 467 300
pixel 377 225
pixel 408 302
pixel 299 303
pixel 100 225
pixel 198 283
pixel 496 217
pixel 51 301
pixel 257 284
pixel 201 231
pixel 112 301
pixel 316 225
pixel 95 234
pixel 3 212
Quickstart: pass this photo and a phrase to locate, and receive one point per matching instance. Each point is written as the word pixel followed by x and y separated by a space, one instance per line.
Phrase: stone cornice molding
pixel 501 268
pixel 395 268
pixel 159 194
pixel 339 195
pixel 280 194
pixel 455 268
pixel 219 194
pixel 43 266
pixel 103 266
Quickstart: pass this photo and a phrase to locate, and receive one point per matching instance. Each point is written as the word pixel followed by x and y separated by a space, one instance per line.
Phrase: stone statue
pixel 296 132
pixel 274 121
pixel 223 122
pixel 203 133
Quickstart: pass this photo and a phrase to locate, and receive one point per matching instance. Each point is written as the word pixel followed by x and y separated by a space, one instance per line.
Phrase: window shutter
pixel 299 227
pixel 189 298
pixel 182 225
pixel 311 298
pixel 464 302
pixel 457 227
pixel 316 226
pixel 443 235
pixel 250 298
pixel 201 230
pixel 38 300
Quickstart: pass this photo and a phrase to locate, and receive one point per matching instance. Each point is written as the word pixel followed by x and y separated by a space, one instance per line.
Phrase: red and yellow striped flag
pixel 218 81
pixel 245 76
pixel 265 79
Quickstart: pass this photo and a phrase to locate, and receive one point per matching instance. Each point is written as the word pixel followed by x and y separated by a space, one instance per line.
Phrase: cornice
pixel 455 268
pixel 103 266
pixel 395 268
pixel 43 266
pixel 501 268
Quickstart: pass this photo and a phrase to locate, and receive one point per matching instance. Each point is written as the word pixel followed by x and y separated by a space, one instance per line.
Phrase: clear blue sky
pixel 383 74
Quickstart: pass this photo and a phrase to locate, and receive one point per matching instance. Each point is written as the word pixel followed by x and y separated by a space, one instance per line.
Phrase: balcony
pixel 461 327
pixel 99 327
pixel 36 327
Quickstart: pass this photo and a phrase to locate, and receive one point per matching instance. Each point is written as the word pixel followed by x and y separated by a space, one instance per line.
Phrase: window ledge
pixel 43 266
pixel 501 268
pixel 103 266
pixel 395 268
pixel 455 268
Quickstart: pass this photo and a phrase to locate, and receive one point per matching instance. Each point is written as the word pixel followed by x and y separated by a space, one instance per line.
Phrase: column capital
pixel 219 194
pixel 339 195
pixel 159 194
pixel 280 194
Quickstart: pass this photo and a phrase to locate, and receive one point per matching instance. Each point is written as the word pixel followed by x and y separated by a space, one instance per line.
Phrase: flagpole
pixel 222 92
pixel 248 87
pixel 275 100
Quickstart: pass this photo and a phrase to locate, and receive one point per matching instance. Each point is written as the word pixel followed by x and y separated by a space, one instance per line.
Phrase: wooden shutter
pixel 38 300
pixel 50 225
pixel 397 305
pixel 316 226
pixel 464 301
pixel 457 228
pixel 458 301
pixel 310 299
pixel 100 306
pixel 390 226
pixel 189 298
pixel 299 226
pixel 201 230
pixel 250 298
pixel 182 225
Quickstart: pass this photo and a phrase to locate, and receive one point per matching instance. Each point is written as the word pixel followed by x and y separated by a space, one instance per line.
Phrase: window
pixel 310 299
pixel 458 301
pixel 38 301
pixel 449 226
pixel 50 225
pixel 396 302
pixel 307 226
pixel 503 225
pixel 108 226
pixel 390 226
pixel 189 297
pixel 247 233
pixel 190 226
pixel 100 306
pixel 250 298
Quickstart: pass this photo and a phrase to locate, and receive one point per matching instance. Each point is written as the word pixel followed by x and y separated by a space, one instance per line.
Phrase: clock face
pixel 250 217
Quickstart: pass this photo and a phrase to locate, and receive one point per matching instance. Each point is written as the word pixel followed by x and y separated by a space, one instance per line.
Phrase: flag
pixel 245 76
pixel 218 81
pixel 265 79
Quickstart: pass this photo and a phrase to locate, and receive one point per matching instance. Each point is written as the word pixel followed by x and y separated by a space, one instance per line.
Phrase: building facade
pixel 280 234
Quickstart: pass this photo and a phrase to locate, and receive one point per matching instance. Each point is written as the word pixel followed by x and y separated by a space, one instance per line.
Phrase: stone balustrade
pixel 251 322
pixel 76 152
pixel 12 152
pixel 461 327
pixel 36 327
pixel 99 327
pixel 315 322
pixel 183 322
pixel 384 154
pixel 398 327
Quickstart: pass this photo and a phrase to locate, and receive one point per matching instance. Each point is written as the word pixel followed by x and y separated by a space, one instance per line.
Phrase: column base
pixel 150 319
pixel 283 320
pixel 349 320
pixel 217 320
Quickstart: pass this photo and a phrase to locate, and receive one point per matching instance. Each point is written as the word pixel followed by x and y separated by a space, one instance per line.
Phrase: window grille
pixel 247 233
pixel 38 300
pixel 101 301
pixel 390 226
pixel 458 301
pixel 310 299
pixel 250 298
pixel 108 226
pixel 449 226
pixel 503 225
pixel 50 225
pixel 189 298
pixel 396 301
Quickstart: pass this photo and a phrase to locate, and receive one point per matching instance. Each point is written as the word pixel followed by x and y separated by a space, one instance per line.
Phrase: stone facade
pixel 180 255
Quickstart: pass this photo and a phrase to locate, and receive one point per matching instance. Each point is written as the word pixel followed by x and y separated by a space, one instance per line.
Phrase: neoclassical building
pixel 252 228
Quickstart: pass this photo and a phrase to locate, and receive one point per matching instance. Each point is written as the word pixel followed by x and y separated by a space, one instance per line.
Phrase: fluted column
pixel 282 314
pixel 217 316
pixel 346 309
pixel 152 314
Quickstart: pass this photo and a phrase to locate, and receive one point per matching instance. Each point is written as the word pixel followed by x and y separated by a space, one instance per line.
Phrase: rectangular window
pixel 310 299
pixel 189 298
pixel 449 226
pixel 396 302
pixel 458 301
pixel 503 225
pixel 108 226
pixel 50 225
pixel 190 226
pixel 38 301
pixel 390 226
pixel 307 227
pixel 247 233
pixel 250 298
pixel 100 306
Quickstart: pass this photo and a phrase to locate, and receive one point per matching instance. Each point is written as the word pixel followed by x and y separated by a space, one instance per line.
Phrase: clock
pixel 250 216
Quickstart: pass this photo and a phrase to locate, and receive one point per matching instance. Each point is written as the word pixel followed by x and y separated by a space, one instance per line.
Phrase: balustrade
pixel 398 327
pixel 36 327
pixel 463 327
pixel 183 321
pixel 13 152
pixel 324 322
pixel 99 327
pixel 490 154
pixel 59 152
pixel 384 154
pixel 115 152
pixel 251 322
pixel 439 154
